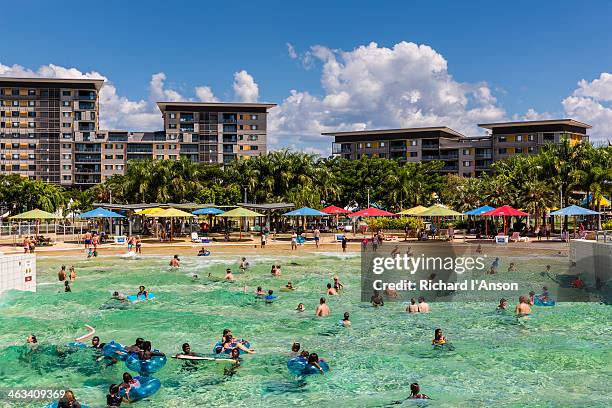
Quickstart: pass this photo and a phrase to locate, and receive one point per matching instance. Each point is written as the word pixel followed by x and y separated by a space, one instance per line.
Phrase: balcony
pixel 430 157
pixel 87 126
pixel 83 148
pixel 87 105
pixel 453 156
pixel 88 96
pixel 80 158
pixel 484 155
pixel 340 148
pixel 450 168
pixel 186 118
pixel 140 148
pixel 92 179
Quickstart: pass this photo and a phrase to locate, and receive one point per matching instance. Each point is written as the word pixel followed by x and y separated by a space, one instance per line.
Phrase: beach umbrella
pixel 305 212
pixel 240 213
pixel 170 213
pixel 438 210
pixel 150 211
pixel 574 211
pixel 208 211
pixel 413 211
pixel 372 212
pixel 479 210
pixel 603 201
pixel 333 210
pixel 100 213
pixel 37 215
pixel 505 211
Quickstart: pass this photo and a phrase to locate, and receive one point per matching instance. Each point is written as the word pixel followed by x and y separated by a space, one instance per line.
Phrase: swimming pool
pixel 559 358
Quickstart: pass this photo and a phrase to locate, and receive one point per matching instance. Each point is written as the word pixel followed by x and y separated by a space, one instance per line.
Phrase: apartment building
pixel 218 132
pixel 49 130
pixel 463 155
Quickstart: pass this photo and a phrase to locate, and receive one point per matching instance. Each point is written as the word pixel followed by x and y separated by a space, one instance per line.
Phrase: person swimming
pixel 313 360
pixel 331 291
pixel 128 383
pixel 322 309
pixel 415 392
pixel 295 348
pixel 300 307
pixel 113 399
pixel 522 308
pixel 119 296
pixel 531 298
pixel 503 304
pixel 31 339
pixel 203 252
pixel 259 292
pixel 229 344
pixel 337 284
pixel 186 350
pixel 439 338
pixel 146 353
pixel 270 297
pixel 244 264
pixel 142 292
pixel 413 307
pixel 229 276
pixel 289 286
pixel 68 400
pixel 95 343
pixel 175 262
pixel 136 347
pixel 67 286
pixel 345 320
pixel 376 300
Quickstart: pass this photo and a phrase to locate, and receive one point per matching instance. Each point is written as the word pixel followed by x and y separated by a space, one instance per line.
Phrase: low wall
pixel 18 271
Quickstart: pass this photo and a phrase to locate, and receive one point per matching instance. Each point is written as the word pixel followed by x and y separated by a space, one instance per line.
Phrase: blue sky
pixel 528 55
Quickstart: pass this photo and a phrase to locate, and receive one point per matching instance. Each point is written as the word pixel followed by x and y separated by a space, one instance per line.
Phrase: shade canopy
pixel 305 212
pixel 574 210
pixel 208 211
pixel 479 210
pixel 240 212
pixel 437 210
pixel 100 213
pixel 413 211
pixel 35 215
pixel 372 212
pixel 505 211
pixel 170 213
pixel 590 200
pixel 149 211
pixel 332 209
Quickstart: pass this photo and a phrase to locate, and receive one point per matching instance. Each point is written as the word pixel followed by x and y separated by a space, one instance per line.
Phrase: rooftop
pixel 570 122
pixel 162 105
pixel 443 129
pixel 97 82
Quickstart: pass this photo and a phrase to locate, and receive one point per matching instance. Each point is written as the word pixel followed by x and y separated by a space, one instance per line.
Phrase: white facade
pixel 18 271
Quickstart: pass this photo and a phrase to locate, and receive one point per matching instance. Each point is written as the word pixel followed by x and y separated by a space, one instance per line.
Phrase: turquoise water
pixel 561 357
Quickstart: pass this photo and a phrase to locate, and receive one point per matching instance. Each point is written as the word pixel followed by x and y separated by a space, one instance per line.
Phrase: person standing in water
pixel 61 275
pixel 228 275
pixel 413 307
pixel 72 273
pixel 331 291
pixel 523 309
pixel 344 242
pixel 175 262
pixel 67 286
pixel 423 307
pixel 322 310
pixel 345 320
pixel 317 236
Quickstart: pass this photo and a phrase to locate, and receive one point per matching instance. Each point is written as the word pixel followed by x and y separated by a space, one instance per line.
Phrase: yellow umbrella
pixel 150 211
pixel 169 213
pixel 240 213
pixel 413 211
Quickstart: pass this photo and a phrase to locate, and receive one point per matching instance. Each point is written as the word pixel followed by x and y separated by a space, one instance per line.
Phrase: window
pixel 360 146
pixel 31 103
pixel 31 92
pixel 108 157
pixel 368 145
pixel 31 145
pixel 530 149
pixel 519 138
pixel 2 114
pixel 466 152
pixel 31 135
pixel 414 154
pixel 160 157
pixel 15 156
pixel 66 93
pixel 254 127
pixel 382 144
pixel 66 167
pixel 172 115
pixel 31 114
pixel 66 114
pixel 67 135
pixel 382 155
pixel 467 164
pixel 65 103
pixel 254 147
pixel 31 156
pixel 172 126
pixel 241 147
pixel 31 124
pixel 253 117
pixel 15 103
pixel 66 156
pixel 119 146
pixel 15 124
pixel 501 139
pixel 65 125
pixel 119 156
pixel 119 167
pixel 240 127
pixel 108 146
pixel 173 147
pixel 15 92
pixel 253 138
pixel 15 145
pixel 159 147
pixel 15 114
pixel 67 177
pixel 549 137
pixel 173 157
pixel 518 150
pixel 108 167
pixel 502 151
pixel 413 143
pixel 15 167
pixel 531 137
pixel 65 145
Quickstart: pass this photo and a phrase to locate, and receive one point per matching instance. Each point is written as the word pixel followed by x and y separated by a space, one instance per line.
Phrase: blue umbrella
pixel 574 210
pixel 100 213
pixel 479 210
pixel 208 211
pixel 305 212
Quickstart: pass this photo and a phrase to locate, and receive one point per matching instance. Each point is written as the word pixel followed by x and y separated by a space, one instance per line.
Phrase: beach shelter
pixel 100 213
pixel 438 210
pixel 240 213
pixel 305 212
pixel 36 215
pixel 574 211
pixel 505 211
pixel 372 212
pixel 150 211
pixel 413 211
pixel 170 213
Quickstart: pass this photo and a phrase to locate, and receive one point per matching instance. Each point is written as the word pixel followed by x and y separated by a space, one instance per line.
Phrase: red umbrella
pixel 332 209
pixel 505 211
pixel 372 212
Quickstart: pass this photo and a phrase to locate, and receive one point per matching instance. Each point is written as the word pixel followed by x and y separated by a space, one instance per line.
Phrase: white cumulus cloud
pixel 205 94
pixel 291 51
pixel 591 102
pixel 245 87
pixel 378 87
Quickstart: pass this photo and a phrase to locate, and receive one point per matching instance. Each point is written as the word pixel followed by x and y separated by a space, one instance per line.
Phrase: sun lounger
pixel 516 237
pixel 195 237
